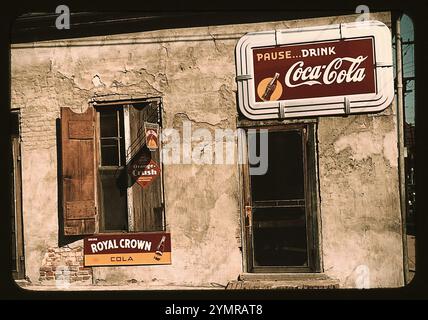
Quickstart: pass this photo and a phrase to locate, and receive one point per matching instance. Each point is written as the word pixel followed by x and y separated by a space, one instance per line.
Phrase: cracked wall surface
pixel 360 207
pixel 193 70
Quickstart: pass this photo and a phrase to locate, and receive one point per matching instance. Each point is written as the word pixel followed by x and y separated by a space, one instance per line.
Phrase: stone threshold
pixel 283 281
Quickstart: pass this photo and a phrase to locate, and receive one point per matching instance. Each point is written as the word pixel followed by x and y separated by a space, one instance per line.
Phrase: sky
pixel 408 67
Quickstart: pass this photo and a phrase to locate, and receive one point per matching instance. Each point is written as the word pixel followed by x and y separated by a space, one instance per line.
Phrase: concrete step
pixel 283 281
pixel 282 276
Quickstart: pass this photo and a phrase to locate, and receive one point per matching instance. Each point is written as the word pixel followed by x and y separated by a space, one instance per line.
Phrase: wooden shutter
pixel 147 202
pixel 77 174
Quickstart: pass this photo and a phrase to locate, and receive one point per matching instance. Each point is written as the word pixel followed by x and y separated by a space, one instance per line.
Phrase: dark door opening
pixel 18 266
pixel 281 234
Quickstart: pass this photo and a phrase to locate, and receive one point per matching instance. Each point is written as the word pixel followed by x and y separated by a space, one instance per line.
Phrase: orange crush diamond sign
pixel 149 174
pixel 144 248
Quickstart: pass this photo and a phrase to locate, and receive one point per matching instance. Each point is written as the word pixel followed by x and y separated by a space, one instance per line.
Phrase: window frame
pixel 120 127
pixel 125 105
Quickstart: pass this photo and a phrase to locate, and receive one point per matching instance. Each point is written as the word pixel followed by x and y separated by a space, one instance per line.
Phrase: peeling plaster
pixel 362 144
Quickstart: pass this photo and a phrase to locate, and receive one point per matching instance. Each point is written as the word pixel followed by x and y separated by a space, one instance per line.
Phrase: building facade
pixel 82 103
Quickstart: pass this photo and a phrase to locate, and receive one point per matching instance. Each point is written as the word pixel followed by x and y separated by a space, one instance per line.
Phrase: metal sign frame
pixel 329 105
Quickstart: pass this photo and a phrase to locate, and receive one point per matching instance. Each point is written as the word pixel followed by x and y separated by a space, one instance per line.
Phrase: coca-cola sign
pixel 315 70
pixel 338 69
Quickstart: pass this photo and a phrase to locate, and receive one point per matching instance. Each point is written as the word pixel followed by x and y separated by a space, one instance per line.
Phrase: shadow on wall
pixel 62 239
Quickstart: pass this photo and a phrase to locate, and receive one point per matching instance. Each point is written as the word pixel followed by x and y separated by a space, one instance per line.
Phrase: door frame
pixel 18 233
pixel 311 196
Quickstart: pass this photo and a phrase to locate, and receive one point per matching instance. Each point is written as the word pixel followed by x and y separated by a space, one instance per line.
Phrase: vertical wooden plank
pixel 312 198
pixel 128 156
pixel 17 207
pixel 136 128
pixel 246 202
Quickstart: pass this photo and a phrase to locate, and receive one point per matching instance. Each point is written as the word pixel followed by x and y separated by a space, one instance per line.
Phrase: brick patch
pixel 62 266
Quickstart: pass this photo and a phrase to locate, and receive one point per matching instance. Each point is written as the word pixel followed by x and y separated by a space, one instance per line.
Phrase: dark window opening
pixel 112 137
pixel 112 171
pixel 114 199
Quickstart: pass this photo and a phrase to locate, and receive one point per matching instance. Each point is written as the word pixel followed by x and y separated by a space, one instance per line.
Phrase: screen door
pixel 280 224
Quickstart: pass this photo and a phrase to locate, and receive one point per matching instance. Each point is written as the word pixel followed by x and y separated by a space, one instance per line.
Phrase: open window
pixel 98 146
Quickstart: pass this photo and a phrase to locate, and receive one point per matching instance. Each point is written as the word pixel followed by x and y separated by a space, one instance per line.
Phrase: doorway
pixel 18 266
pixel 281 205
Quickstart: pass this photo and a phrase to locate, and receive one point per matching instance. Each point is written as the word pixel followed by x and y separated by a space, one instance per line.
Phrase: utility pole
pixel 401 168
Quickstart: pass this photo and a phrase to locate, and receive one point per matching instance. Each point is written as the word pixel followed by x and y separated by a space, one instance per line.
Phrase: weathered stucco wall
pixel 360 207
pixel 193 70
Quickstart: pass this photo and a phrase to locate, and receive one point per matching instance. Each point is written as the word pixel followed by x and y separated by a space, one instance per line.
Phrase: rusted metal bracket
pixel 243 77
pixel 249 215
pixel 383 65
pixel 277 32
pixel 281 111
pixel 347 106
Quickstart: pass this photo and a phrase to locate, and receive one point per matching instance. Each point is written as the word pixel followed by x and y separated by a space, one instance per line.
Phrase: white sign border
pixel 334 105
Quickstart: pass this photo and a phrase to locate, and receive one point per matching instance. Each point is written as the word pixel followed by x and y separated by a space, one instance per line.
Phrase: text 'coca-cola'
pixel 311 70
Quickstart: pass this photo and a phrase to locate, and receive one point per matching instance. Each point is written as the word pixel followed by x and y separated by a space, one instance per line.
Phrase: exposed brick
pixel 64 264
pixel 82 267
pixel 45 269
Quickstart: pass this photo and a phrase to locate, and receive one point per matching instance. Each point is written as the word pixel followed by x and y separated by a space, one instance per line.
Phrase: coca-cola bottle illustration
pixel 270 88
pixel 159 249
